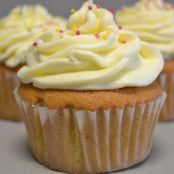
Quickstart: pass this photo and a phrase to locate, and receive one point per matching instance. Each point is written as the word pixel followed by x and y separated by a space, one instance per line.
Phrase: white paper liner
pixel 8 107
pixel 79 141
pixel 167 83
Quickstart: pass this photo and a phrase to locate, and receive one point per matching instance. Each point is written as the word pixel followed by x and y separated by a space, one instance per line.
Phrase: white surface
pixel 16 158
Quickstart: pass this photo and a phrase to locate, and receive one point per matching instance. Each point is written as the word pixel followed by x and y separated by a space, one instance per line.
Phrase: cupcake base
pixel 80 141
pixel 167 82
pixel 8 106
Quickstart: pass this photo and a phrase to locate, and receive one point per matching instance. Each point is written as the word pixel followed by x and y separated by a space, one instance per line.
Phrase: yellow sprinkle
pixel 58 29
pixel 74 29
pixel 104 35
pixel 109 30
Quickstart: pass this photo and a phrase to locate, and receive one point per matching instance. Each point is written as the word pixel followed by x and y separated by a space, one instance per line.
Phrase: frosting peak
pixel 90 54
pixel 91 19
pixel 27 16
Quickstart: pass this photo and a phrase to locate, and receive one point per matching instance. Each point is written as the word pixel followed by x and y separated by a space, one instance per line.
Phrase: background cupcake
pixel 153 21
pixel 17 32
pixel 88 96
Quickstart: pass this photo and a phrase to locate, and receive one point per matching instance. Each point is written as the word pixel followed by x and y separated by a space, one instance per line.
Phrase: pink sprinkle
pixel 98 6
pixel 113 11
pixel 35 44
pixel 97 36
pixel 90 7
pixel 120 27
pixel 78 33
pixel 124 42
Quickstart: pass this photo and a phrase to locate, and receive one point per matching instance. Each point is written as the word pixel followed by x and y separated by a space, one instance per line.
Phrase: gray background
pixel 15 156
pixel 61 7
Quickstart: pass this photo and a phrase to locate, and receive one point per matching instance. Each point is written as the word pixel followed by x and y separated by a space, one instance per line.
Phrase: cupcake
pixel 89 96
pixel 17 31
pixel 153 22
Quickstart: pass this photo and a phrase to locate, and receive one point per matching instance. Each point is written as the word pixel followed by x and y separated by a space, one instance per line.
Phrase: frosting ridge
pixel 152 21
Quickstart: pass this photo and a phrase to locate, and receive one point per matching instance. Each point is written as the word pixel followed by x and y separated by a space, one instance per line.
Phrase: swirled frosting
pixel 91 54
pixel 152 21
pixel 23 25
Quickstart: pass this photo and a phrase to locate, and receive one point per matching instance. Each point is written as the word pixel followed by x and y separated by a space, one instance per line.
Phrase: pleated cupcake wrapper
pixel 167 82
pixel 8 106
pixel 79 141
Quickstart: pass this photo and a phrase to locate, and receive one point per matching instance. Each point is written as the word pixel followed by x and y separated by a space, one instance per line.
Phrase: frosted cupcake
pixel 88 95
pixel 17 32
pixel 153 22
